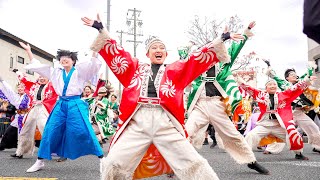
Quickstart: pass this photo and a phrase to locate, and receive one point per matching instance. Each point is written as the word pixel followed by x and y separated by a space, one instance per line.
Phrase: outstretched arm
pixel 200 60
pixel 296 90
pixel 27 48
pixel 23 79
pixel 35 65
pixel 311 66
pixel 235 48
pixel 282 84
pixel 12 96
pixel 120 62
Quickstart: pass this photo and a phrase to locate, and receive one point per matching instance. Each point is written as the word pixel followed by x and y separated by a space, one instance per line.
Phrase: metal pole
pixel 135 32
pixel 108 28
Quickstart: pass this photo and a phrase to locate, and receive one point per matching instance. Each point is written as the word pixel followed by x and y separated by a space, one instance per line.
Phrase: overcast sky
pixel 56 24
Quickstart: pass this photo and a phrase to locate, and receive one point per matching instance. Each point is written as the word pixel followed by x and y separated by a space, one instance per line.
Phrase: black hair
pixel 287 72
pixel 87 86
pixel 72 55
pixel 114 96
pixel 116 111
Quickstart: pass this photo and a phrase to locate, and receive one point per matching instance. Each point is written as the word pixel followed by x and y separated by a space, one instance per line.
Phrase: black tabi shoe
pixel 266 152
pixel 170 175
pixel 301 157
pixel 260 169
pixel 205 142
pixel 15 156
pixel 315 150
pixel 213 145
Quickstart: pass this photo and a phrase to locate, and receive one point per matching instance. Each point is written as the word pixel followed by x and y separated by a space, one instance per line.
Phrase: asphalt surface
pixel 282 166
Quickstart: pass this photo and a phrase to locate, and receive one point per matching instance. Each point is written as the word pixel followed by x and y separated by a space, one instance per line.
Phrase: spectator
pixel 113 104
pixel 87 92
pixel 115 119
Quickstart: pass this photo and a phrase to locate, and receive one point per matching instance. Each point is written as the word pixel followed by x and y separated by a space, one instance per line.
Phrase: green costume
pixel 224 80
pixel 99 115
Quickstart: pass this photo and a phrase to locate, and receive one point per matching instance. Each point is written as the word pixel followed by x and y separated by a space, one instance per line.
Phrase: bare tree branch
pixel 242 63
pixel 202 31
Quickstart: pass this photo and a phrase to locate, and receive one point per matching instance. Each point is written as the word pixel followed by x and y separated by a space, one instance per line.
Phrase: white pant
pixel 255 135
pixel 309 127
pixel 152 125
pixel 212 110
pixel 36 117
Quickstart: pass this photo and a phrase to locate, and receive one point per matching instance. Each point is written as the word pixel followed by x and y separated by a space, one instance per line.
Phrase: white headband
pixel 269 81
pixel 152 40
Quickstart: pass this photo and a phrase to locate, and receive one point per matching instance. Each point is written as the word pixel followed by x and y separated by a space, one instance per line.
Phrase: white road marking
pixel 297 163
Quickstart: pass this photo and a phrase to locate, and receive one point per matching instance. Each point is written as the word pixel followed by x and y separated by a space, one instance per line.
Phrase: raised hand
pixel 313 78
pixel 93 23
pixel 267 62
pixel 251 25
pixel 234 36
pixel 25 46
pixel 247 31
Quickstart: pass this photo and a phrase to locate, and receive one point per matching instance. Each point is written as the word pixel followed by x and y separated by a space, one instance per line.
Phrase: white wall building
pixel 13 56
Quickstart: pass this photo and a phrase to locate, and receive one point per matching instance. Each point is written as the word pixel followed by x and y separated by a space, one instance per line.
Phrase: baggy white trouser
pixel 152 125
pixel 212 110
pixel 275 148
pixel 36 117
pixel 263 129
pixel 308 126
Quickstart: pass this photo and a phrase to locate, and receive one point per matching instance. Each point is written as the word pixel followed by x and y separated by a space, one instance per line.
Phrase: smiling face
pixel 20 89
pixel 42 80
pixel 157 53
pixel 292 77
pixel 271 87
pixel 87 91
pixel 66 61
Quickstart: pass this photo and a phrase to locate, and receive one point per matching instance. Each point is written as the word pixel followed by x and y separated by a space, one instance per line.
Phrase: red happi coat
pixel 48 93
pixel 169 83
pixel 282 107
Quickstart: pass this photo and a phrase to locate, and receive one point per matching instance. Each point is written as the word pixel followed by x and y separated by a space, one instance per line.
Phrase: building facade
pixel 13 56
pixel 314 55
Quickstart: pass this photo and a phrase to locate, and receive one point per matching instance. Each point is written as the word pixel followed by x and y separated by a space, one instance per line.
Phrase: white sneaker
pixel 36 167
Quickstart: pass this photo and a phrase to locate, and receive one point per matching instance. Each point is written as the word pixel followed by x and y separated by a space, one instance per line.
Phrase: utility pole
pixel 108 28
pixel 134 28
pixel 120 88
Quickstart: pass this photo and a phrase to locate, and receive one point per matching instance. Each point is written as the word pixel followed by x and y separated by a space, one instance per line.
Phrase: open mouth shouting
pixel 158 56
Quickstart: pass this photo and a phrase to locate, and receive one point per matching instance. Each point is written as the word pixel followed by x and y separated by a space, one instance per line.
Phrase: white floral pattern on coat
pixel 263 98
pixel 48 94
pixel 204 54
pixel 119 65
pixel 282 104
pixel 168 89
pixel 137 78
pixel 113 48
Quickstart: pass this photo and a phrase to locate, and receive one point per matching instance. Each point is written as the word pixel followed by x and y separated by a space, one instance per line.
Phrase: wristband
pixel 97 25
pixel 225 36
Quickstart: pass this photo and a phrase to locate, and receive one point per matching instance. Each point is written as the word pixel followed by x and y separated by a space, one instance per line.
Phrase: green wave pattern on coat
pixel 224 78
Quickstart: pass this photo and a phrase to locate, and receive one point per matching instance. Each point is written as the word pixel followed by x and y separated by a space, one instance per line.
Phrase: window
pixel 29 72
pixel 20 60
pixel 11 62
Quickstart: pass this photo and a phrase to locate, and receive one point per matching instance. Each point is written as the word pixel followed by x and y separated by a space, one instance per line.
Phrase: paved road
pixel 282 166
